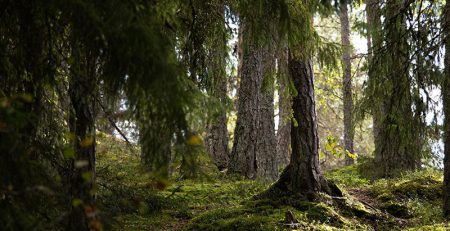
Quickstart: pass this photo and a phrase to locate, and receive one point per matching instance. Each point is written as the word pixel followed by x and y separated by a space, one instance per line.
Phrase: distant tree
pixel 284 109
pixel 217 133
pixel 374 40
pixel 347 81
pixel 446 107
pixel 397 144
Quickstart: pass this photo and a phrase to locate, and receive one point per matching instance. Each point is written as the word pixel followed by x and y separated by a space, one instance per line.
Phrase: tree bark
pixel 302 177
pixel 446 108
pixel 373 43
pixel 347 82
pixel 217 138
pixel 254 147
pixel 284 111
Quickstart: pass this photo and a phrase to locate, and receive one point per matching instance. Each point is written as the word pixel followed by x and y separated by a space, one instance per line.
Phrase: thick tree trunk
pixel 82 175
pixel 217 138
pixel 446 101
pixel 302 177
pixel 347 81
pixel 254 146
pixel 284 111
pixel 304 167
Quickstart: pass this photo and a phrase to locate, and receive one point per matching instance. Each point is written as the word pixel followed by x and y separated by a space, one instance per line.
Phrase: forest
pixel 224 115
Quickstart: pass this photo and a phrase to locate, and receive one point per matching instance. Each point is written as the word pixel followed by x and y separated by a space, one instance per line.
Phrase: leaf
pixel 294 122
pixel 76 202
pixel 351 155
pixel 194 140
pixel 328 147
pixel 69 153
pixel 87 142
pixel 87 176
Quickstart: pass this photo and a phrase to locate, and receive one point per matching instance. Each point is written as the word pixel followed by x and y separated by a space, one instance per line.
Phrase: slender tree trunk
pixel 217 138
pixel 82 176
pixel 254 146
pixel 284 111
pixel 347 81
pixel 446 101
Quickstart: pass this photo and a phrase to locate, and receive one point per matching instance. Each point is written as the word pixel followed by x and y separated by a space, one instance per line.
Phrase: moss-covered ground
pixel 131 199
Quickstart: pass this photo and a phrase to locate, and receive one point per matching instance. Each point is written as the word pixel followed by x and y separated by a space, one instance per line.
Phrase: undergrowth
pixel 131 199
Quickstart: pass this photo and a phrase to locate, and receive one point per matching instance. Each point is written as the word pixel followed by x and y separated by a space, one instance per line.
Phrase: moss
pixel 397 210
pixel 325 214
pixel 348 177
pixel 238 218
pixel 435 227
pixel 224 202
pixel 425 188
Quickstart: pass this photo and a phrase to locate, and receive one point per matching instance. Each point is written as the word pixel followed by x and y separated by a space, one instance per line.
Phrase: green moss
pixel 435 227
pixel 238 218
pixel 325 214
pixel 128 200
pixel 348 177
pixel 397 210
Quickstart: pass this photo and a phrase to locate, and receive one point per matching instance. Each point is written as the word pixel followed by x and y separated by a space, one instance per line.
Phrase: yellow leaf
pixel 194 140
pixel 76 202
pixel 87 142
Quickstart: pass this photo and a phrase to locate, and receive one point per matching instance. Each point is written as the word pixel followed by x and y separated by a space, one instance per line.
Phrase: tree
pixel 347 82
pixel 374 41
pixel 397 144
pixel 81 177
pixel 217 133
pixel 284 110
pixel 254 147
pixel 446 108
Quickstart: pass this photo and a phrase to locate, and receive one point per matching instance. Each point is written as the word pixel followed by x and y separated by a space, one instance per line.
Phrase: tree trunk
pixel 347 82
pixel 217 138
pixel 374 42
pixel 302 177
pixel 254 146
pixel 82 175
pixel 284 111
pixel 446 101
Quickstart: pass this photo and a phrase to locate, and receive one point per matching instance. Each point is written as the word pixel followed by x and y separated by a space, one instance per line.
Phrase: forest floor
pixel 131 199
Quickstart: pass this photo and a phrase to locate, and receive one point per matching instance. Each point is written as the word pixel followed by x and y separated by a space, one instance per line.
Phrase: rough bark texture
pixel 446 99
pixel 82 175
pixel 397 148
pixel 302 177
pixel 217 138
pixel 284 111
pixel 347 81
pixel 254 146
